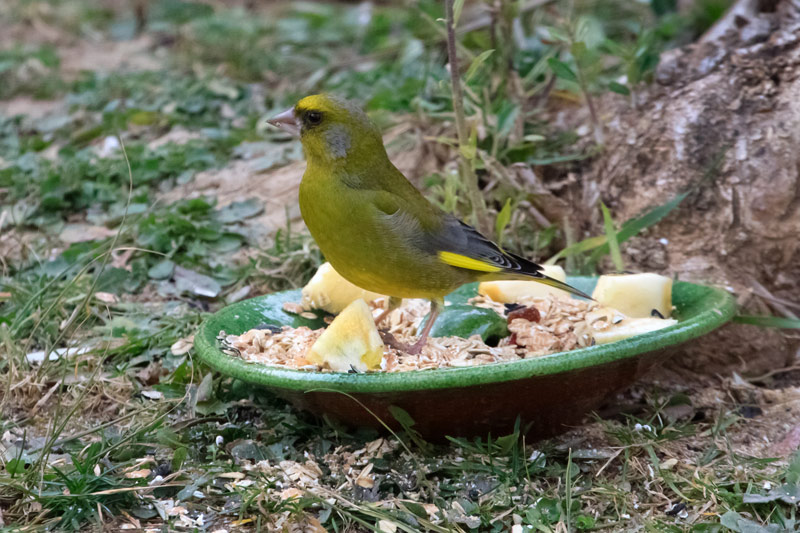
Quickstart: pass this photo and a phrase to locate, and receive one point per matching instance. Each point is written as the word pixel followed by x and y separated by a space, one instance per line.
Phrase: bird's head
pixel 333 131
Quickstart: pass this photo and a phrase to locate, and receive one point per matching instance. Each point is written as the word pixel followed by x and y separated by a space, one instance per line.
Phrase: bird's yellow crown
pixel 336 132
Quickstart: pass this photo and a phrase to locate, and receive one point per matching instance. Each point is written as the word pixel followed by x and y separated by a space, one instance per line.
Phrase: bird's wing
pixel 453 242
pixel 460 245
pixel 437 233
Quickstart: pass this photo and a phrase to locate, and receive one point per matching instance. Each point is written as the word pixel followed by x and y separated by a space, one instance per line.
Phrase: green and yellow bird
pixel 375 227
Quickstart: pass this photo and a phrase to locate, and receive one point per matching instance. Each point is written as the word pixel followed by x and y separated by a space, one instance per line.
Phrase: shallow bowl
pixel 548 394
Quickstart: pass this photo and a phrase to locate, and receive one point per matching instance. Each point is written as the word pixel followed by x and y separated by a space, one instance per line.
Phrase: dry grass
pixel 126 431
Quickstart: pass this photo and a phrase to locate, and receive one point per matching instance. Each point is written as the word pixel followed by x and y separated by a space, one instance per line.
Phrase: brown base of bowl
pixel 544 404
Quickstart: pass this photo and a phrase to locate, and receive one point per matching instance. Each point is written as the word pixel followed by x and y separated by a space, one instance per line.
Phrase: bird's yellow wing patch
pixel 462 261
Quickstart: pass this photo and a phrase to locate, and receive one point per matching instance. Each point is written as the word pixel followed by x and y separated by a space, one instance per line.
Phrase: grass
pixel 108 420
pixel 29 70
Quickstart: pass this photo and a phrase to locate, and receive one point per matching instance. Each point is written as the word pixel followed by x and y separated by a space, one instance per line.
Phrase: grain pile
pixel 538 327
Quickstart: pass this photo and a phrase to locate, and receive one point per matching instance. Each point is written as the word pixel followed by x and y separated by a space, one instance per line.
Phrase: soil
pixel 29 107
pixel 110 56
pixel 766 413
pixel 734 96
pixel 723 122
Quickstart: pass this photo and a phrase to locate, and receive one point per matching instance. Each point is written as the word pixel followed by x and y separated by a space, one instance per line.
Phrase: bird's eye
pixel 314 117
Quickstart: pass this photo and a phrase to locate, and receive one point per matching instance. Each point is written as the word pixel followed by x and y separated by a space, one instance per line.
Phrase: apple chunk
pixel 351 341
pixel 630 327
pixel 329 291
pixel 635 295
pixel 510 291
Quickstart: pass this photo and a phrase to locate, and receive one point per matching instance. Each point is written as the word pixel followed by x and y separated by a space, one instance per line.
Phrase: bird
pixel 375 228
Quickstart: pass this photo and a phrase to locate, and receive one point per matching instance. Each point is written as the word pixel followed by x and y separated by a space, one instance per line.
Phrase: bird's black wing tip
pixel 535 271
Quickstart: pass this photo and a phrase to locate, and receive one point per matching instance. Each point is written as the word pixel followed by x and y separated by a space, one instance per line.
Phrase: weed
pixel 107 417
pixel 31 71
pixel 44 192
pixel 288 263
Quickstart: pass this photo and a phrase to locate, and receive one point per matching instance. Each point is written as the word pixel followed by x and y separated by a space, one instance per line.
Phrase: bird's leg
pixel 416 348
pixel 393 304
pixel 387 337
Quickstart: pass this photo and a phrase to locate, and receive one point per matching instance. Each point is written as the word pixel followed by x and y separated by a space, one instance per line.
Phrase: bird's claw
pixel 416 348
pixel 391 341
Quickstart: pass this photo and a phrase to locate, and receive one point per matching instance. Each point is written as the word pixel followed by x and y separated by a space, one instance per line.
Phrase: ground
pixel 141 189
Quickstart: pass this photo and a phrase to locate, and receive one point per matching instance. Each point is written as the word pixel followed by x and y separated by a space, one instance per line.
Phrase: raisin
pixel 531 314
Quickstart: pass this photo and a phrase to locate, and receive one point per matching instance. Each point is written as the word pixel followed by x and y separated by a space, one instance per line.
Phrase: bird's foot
pixel 416 348
pixel 391 340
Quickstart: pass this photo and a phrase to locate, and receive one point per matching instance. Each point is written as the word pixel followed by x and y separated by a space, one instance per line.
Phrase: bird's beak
pixel 287 121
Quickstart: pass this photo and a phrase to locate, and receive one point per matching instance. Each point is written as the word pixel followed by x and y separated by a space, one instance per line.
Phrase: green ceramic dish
pixel 551 392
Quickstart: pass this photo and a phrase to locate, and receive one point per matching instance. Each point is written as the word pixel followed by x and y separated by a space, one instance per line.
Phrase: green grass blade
pixel 503 218
pixel 611 238
pixel 634 226
pixel 476 64
pixel 578 248
pixel 766 321
pixel 630 228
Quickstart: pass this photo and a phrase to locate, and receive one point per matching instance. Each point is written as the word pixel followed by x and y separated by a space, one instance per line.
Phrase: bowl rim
pixel 719 307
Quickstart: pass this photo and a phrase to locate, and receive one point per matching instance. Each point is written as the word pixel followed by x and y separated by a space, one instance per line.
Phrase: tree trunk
pixel 732 98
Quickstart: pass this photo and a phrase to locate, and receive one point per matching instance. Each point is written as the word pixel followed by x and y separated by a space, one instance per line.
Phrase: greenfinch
pixel 375 228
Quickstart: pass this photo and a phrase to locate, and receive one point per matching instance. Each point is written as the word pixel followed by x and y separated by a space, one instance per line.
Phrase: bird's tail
pixel 529 270
pixel 547 280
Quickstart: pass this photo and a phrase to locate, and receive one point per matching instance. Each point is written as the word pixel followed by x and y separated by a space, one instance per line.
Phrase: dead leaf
pixel 387 526
pixel 378 447
pixel 668 464
pixel 365 478
pixel 308 524
pixel 303 474
pixel 120 260
pixel 290 493
pixel 232 475
pixel 106 297
pixel 176 135
pixel 134 522
pixel 46 398
pixel 431 509
pixel 150 374
pixel 182 346
pixel 138 474
pixel 73 233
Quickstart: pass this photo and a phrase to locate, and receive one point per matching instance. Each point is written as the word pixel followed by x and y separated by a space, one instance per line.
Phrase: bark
pixel 734 95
